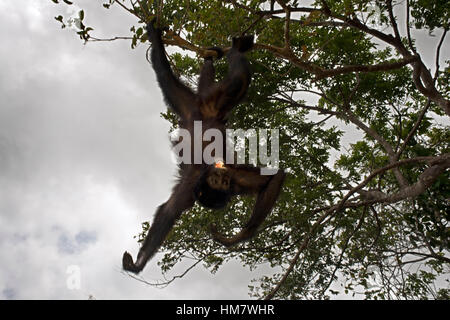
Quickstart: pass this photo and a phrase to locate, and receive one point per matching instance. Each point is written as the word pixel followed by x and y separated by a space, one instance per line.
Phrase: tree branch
pixel 386 146
pixel 437 166
pixel 287 38
pixel 165 283
pixel 384 66
pixel 408 29
pixel 321 73
pixel 392 20
pixel 293 262
pixel 341 256
pixel 93 39
pixel 413 130
pixel 425 84
pixel 438 50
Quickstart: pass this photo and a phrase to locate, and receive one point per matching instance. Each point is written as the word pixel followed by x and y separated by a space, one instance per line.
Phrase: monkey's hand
pixel 216 235
pixel 227 242
pixel 128 264
pixel 265 201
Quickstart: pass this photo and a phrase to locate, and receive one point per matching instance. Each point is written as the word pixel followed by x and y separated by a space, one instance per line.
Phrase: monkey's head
pixel 213 190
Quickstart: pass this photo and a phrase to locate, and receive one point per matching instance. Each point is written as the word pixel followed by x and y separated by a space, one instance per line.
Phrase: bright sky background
pixel 84 160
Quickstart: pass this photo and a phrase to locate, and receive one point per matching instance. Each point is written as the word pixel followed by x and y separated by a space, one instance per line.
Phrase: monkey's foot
pixel 128 264
pixel 153 31
pixel 244 43
pixel 219 52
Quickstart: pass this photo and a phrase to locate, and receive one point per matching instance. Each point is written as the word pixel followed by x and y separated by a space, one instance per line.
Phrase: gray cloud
pixel 84 159
pixel 9 293
pixel 77 244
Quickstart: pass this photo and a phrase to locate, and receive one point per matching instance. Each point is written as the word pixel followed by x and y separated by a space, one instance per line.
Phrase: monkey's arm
pixel 265 201
pixel 166 215
pixel 177 95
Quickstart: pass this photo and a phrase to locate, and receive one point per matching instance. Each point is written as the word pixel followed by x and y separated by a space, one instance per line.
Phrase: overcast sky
pixel 84 160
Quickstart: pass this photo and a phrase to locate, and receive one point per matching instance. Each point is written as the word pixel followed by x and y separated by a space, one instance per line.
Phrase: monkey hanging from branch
pixel 211 185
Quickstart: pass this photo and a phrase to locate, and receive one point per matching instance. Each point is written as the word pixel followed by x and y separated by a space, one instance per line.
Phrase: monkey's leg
pixel 206 85
pixel 234 87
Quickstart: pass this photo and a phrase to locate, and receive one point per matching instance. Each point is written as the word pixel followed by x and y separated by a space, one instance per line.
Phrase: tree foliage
pixel 367 218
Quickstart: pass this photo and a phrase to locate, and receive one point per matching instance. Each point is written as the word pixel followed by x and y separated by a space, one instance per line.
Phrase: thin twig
pixel 127 9
pixel 392 19
pixel 408 29
pixel 162 284
pixel 93 39
pixel 413 130
pixel 344 249
pixel 438 50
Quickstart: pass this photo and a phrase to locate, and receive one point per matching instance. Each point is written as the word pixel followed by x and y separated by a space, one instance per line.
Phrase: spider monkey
pixel 211 185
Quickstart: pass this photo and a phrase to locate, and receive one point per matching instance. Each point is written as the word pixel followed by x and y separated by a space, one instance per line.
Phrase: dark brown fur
pixel 211 104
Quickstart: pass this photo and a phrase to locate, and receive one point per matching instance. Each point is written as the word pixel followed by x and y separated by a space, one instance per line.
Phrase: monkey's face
pixel 213 189
pixel 219 179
